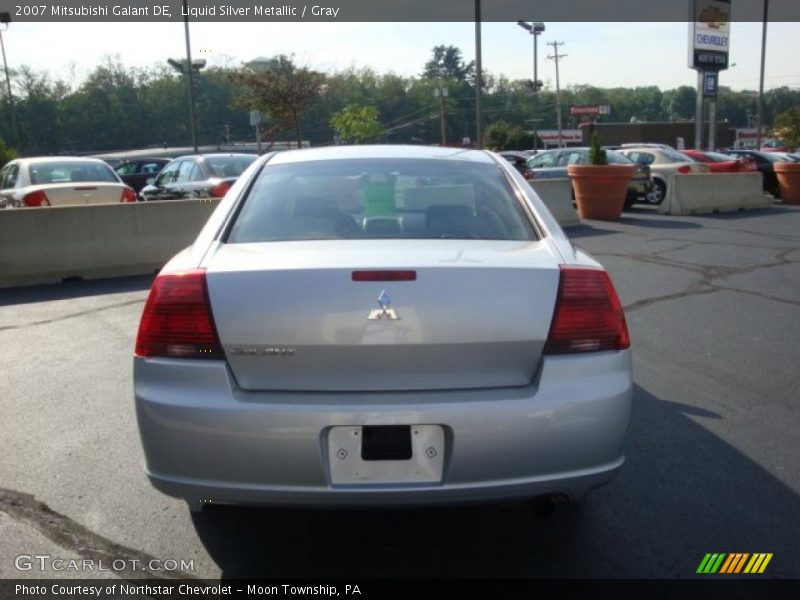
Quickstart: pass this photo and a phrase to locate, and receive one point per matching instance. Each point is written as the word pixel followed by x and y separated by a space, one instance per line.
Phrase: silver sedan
pixel 381 325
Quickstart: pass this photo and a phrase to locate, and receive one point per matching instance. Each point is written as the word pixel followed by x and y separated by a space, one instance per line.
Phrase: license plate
pixel 386 454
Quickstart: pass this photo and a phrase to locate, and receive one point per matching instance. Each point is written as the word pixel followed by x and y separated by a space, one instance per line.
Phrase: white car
pixel 61 181
pixel 663 162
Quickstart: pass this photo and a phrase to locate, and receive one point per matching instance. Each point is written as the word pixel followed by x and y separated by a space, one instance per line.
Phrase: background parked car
pixel 61 181
pixel 646 145
pixel 520 162
pixel 663 162
pixel 550 164
pixel 790 156
pixel 774 145
pixel 197 176
pixel 764 163
pixel 722 163
pixel 136 172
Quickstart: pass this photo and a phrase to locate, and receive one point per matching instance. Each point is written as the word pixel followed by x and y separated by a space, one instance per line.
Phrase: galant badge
pixel 384 311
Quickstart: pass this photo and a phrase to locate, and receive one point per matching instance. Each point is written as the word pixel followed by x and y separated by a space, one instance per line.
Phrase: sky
pixel 599 54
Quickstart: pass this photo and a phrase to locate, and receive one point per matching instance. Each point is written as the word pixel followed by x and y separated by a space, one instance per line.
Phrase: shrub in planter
pixel 788 175
pixel 600 188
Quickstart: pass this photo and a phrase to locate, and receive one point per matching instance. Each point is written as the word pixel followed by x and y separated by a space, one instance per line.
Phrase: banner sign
pixel 550 136
pixel 589 109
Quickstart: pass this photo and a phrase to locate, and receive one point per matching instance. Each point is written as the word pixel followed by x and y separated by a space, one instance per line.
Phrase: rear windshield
pixel 676 156
pixel 378 198
pixel 717 157
pixel 615 158
pixel 228 166
pixel 70 172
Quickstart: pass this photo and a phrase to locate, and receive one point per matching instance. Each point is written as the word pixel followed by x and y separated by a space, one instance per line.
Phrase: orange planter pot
pixel 788 175
pixel 600 190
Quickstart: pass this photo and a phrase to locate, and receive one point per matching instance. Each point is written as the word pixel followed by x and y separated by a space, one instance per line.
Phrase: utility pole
pixel 441 93
pixel 555 57
pixel 5 19
pixel 192 119
pixel 478 77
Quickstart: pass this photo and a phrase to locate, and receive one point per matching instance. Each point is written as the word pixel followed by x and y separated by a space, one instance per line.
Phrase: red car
pixel 722 163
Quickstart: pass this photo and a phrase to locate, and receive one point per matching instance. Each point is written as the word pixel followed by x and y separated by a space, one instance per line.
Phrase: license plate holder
pixel 386 454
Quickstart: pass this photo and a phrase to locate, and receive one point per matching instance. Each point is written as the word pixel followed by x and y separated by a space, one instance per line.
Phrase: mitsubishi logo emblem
pixel 384 311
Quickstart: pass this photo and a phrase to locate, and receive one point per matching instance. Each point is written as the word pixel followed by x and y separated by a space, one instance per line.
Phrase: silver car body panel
pixel 206 439
pixel 465 356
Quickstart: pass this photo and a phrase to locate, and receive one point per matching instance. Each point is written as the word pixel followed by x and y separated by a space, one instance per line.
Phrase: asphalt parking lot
pixel 713 305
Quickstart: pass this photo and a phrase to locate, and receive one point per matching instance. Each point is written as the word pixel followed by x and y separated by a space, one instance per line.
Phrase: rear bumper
pixel 640 187
pixel 204 439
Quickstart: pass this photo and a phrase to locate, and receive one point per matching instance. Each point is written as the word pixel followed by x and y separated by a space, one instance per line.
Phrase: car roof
pixel 214 155
pixel 642 149
pixel 380 151
pixel 46 159
pixel 166 159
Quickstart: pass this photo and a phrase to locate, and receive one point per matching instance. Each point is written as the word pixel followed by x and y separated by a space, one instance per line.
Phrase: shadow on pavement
pixel 659 223
pixel 74 289
pixel 683 492
pixel 582 231
pixel 754 213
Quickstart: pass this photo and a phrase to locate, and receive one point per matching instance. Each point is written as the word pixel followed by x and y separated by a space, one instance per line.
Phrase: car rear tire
pixel 658 193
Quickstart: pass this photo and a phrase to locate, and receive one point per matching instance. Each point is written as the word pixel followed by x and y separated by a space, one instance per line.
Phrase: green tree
pixel 502 135
pixel 6 154
pixel 356 122
pixel 787 127
pixel 447 63
pixel 679 104
pixel 279 88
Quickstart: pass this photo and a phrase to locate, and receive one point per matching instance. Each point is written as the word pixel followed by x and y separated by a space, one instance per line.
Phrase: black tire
pixel 658 193
pixel 630 200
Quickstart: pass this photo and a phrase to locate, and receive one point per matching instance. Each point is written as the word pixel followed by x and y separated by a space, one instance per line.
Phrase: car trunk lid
pixel 77 194
pixel 291 317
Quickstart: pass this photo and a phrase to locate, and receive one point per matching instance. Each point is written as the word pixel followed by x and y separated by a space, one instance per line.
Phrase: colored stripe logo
pixel 734 563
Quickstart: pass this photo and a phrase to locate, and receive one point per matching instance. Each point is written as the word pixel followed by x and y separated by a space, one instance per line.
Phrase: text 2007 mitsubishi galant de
pixel 381 325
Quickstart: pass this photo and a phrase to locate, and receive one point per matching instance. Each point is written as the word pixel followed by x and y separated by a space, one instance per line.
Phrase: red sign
pixel 577 110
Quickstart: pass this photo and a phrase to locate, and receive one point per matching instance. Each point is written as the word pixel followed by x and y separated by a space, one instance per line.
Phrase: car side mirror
pixel 150 181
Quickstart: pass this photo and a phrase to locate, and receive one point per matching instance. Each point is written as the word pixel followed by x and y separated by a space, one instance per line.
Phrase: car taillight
pixel 588 315
pixel 177 320
pixel 685 169
pixel 128 195
pixel 36 199
pixel 219 190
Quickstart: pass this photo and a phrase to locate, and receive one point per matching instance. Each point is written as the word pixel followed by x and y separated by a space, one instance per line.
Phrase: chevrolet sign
pixel 709 34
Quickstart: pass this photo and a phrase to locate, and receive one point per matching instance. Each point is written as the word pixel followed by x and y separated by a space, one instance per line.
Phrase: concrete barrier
pixel 45 245
pixel 557 195
pixel 701 193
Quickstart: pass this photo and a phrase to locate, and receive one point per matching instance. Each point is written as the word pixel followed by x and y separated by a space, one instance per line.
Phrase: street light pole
pixel 535 29
pixel 190 69
pixel 5 19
